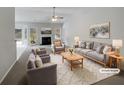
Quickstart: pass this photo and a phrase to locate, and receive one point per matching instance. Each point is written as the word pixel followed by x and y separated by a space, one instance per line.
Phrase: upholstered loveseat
pixel 95 51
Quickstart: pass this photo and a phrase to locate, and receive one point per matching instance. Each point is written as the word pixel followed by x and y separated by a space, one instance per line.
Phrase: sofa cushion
pixel 31 65
pixel 59 48
pixel 84 51
pixel 40 52
pixel 106 49
pixel 96 55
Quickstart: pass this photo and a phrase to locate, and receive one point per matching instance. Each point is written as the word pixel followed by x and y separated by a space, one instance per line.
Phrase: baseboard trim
pixel 7 72
pixel 10 68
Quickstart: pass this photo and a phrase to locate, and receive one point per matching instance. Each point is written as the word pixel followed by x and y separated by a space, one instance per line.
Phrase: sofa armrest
pixel 106 58
pixel 44 75
pixel 45 66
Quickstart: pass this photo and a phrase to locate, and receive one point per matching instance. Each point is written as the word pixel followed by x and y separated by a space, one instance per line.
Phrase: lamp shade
pixel 117 43
pixel 76 38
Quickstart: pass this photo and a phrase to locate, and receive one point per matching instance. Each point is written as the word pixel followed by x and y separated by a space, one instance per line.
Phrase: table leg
pixel 118 63
pixel 71 65
pixel 82 62
pixel 62 59
pixel 110 60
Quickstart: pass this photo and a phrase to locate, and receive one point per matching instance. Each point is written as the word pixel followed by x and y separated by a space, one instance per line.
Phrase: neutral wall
pixel 7 42
pixel 78 24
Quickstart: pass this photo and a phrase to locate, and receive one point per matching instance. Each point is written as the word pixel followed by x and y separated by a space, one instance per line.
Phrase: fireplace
pixel 46 40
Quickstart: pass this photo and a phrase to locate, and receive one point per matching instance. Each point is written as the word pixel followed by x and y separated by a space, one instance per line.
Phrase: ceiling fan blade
pixel 59 17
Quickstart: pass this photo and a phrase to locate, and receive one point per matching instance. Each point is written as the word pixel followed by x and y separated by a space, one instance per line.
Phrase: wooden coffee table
pixel 73 59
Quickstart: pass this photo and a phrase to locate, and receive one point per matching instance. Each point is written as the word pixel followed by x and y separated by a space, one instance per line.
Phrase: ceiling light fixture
pixel 54 17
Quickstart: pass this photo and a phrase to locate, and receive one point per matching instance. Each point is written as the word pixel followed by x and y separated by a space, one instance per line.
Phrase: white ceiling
pixel 42 14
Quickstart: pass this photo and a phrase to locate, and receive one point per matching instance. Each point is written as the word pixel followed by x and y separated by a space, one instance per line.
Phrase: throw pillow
pixel 30 65
pixel 99 49
pixel 87 45
pixel 31 57
pixel 83 45
pixel 57 43
pixel 96 44
pixel 37 50
pixel 33 51
pixel 38 62
pixel 106 49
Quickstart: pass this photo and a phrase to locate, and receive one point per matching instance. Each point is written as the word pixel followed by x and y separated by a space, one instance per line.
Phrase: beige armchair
pixel 58 46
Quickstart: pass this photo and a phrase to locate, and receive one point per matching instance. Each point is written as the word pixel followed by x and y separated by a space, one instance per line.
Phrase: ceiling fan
pixel 55 17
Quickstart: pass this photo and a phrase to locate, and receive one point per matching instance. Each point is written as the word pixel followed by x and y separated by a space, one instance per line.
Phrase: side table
pixel 117 58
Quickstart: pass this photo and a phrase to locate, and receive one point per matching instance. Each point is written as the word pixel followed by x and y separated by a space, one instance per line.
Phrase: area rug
pixel 88 75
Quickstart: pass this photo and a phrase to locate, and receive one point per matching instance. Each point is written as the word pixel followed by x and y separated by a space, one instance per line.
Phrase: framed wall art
pixel 100 30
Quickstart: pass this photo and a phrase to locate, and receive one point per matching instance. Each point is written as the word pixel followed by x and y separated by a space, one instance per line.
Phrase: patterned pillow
pixel 30 65
pixel 96 44
pixel 106 49
pixel 88 45
pixel 83 45
pixel 99 49
pixel 57 43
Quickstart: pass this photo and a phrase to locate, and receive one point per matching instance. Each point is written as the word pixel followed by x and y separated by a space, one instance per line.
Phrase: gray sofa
pixel 94 51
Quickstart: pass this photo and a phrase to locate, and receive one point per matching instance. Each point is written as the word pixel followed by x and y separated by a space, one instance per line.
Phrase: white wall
pixel 7 42
pixel 78 24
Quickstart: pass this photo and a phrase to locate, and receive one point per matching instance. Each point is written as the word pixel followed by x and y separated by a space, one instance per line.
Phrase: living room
pixel 72 22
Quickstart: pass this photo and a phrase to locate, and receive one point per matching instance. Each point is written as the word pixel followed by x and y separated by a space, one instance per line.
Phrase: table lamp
pixel 117 44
